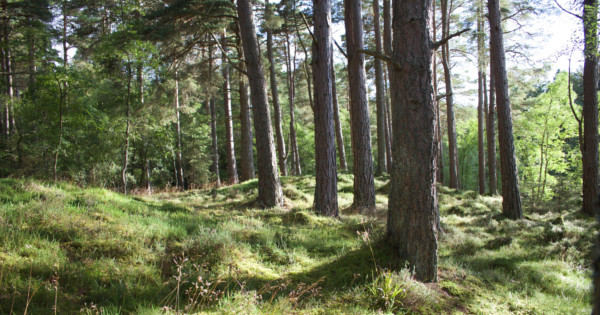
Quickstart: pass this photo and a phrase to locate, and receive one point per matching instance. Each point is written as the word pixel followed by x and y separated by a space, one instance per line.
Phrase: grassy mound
pixel 93 250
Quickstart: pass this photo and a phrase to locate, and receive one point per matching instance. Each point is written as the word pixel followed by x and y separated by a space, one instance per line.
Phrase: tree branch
pixel 440 96
pixel 381 57
pixel 444 40
pixel 567 11
pixel 235 66
pixel 340 48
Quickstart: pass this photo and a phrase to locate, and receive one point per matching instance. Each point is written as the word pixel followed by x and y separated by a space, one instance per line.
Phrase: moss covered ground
pixel 93 251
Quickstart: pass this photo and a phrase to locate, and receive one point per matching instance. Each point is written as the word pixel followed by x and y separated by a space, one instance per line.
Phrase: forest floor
pixel 95 251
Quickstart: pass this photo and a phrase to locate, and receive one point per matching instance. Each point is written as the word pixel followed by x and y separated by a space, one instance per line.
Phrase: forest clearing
pixel 99 252
pixel 299 157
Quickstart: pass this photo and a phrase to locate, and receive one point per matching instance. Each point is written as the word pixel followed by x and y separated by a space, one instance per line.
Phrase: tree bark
pixel 213 125
pixel 127 131
pixel 480 93
pixel 281 153
pixel 230 146
pixel 491 138
pixel 360 131
pixel 326 179
pixel 452 148
pixel 380 95
pixel 413 203
pixel 590 107
pixel 511 198
pixel 291 85
pixel 179 148
pixel 246 154
pixel 438 131
pixel 269 186
pixel 388 126
pixel 339 133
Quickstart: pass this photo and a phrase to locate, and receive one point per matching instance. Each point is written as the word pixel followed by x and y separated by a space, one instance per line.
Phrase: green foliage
pixel 210 251
pixel 385 291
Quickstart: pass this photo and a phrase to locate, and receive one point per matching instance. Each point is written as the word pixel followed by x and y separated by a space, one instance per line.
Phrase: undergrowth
pixel 67 250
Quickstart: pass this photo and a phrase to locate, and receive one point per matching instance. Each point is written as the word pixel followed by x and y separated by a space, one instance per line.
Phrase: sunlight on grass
pixel 212 251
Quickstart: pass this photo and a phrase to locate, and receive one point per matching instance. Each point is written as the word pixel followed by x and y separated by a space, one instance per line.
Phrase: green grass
pixel 95 251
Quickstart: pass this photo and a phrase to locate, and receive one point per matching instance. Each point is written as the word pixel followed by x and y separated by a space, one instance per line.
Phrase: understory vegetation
pixel 69 249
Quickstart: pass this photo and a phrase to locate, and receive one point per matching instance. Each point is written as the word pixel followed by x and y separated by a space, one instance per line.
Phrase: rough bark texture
pixel 326 178
pixel 452 148
pixel 360 131
pixel 339 134
pixel 590 107
pixel 269 186
pixel 380 95
pixel 281 154
pixel 413 198
pixel 246 154
pixel 230 146
pixel 511 198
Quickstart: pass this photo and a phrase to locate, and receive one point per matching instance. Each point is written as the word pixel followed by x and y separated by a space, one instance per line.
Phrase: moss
pixel 129 254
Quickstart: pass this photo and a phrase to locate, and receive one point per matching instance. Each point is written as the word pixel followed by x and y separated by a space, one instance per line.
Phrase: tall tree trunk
pixel 491 138
pixel 480 94
pixel 60 129
pixel 339 134
pixel 452 149
pixel 326 179
pixel 32 66
pixel 511 198
pixel 380 95
pixel 590 107
pixel 212 108
pixel 305 63
pixel 127 131
pixel 247 156
pixel 291 85
pixel 438 131
pixel 230 146
pixel 269 186
pixel 387 48
pixel 413 199
pixel 179 148
pixel 282 156
pixel 480 135
pixel 364 186
pixel 388 126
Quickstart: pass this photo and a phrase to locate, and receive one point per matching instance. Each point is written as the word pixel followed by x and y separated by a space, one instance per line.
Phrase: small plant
pixel 385 291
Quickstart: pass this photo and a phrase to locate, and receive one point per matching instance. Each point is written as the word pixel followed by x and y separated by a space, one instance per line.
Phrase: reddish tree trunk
pixel 326 179
pixel 269 186
pixel 413 203
pixel 380 95
pixel 364 186
pixel 511 198
pixel 590 107
pixel 246 154
pixel 452 148
pixel 281 154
